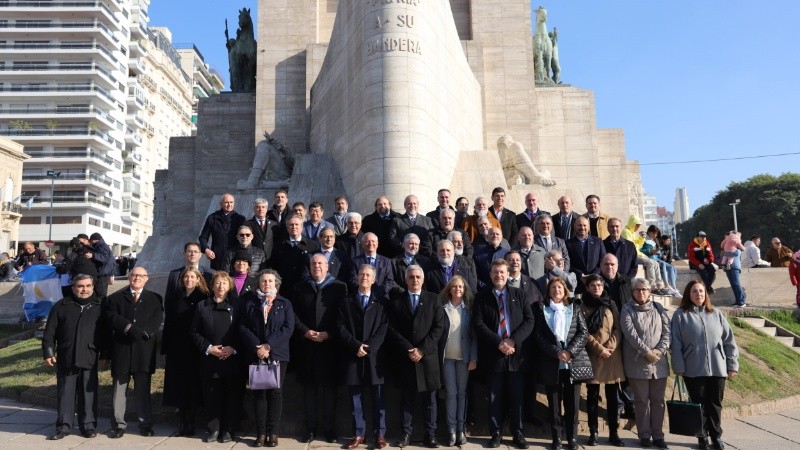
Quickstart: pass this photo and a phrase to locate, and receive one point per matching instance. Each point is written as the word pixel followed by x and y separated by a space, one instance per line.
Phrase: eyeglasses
pixel 244 235
pixel 192 252
pixel 641 290
pixel 137 275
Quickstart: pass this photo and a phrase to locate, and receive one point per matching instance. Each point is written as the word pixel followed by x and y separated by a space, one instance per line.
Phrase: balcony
pixel 34 49
pixel 65 135
pixel 34 27
pixel 73 92
pixel 58 157
pixel 72 201
pixel 132 157
pixel 68 179
pixel 11 209
pixel 52 71
pixel 66 112
pixel 71 5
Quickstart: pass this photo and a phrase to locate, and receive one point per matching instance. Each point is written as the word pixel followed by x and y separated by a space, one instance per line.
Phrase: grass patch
pixel 22 367
pixel 767 369
pixel 784 319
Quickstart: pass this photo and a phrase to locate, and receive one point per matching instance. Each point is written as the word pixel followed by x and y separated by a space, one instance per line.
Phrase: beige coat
pixel 609 335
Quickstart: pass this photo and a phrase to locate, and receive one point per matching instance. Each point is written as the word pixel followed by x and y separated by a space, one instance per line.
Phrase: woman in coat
pixel 645 328
pixel 704 352
pixel 182 385
pixel 459 355
pixel 266 325
pixel 604 347
pixel 215 337
pixel 560 334
pixel 241 280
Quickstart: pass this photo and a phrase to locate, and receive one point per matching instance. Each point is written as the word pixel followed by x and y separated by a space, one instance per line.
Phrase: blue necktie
pixel 364 301
pixel 371 261
pixel 414 302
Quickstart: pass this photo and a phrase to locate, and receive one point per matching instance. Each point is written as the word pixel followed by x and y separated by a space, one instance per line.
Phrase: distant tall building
pixel 649 206
pixel 94 96
pixel 664 220
pixel 682 212
pixel 206 81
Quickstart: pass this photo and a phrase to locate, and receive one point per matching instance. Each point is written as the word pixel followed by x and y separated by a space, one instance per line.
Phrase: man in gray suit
pixel 544 238
pixel 532 254
pixel 410 222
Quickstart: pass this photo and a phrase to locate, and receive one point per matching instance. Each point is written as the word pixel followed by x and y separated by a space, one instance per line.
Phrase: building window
pixel 93 221
pixel 64 220
pixel 30 220
pixel 126 231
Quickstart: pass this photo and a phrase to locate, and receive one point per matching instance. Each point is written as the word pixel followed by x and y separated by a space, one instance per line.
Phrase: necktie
pixel 448 273
pixel 546 243
pixel 414 302
pixel 135 297
pixel 529 214
pixel 261 224
pixel 294 243
pixel 364 301
pixel 371 261
pixel 501 329
pixel 565 226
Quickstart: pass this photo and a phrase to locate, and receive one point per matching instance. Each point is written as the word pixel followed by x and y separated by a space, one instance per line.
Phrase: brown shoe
pixel 355 442
pixel 272 441
pixel 380 442
pixel 260 440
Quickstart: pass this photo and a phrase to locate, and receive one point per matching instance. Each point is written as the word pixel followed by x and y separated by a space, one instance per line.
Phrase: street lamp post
pixel 52 174
pixel 735 224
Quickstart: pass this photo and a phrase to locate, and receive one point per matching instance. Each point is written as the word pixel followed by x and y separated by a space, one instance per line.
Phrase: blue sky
pixel 692 81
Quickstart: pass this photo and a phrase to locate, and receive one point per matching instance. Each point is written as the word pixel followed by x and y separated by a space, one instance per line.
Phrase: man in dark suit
pixel 486 254
pixel 134 316
pixel 220 227
pixel 564 220
pixel 350 241
pixel 340 266
pixel 290 256
pixel 623 249
pixel 71 342
pixel 339 216
pixel 527 218
pixel 280 209
pixel 506 217
pixel 410 222
pixel 443 197
pixel 316 302
pixel 445 266
pixel 362 325
pixel 416 322
pixel 380 223
pixel 263 228
pixel 585 252
pixel 519 280
pixel 532 254
pixel 244 239
pixel 384 275
pixel 446 225
pixel 503 320
pixel 409 257
pixel 191 258
pixel 544 238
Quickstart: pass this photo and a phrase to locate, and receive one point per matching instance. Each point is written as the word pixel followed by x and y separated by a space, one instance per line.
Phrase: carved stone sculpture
pixel 242 54
pixel 554 64
pixel 517 165
pixel 272 166
pixel 543 49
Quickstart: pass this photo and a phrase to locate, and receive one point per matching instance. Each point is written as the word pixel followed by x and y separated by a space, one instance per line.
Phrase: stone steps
pixel 785 337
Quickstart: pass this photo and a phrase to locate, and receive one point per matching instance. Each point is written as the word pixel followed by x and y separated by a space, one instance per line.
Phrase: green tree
pixel 770 206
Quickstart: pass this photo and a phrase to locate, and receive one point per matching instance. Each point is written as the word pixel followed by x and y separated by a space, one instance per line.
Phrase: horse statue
pixel 543 49
pixel 242 54
pixel 272 166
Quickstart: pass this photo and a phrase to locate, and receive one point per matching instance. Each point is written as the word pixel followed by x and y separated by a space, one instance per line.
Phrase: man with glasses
pixel 220 227
pixel 134 317
pixel 244 235
pixel 778 255
pixel 263 227
pixel 555 267
pixel 350 241
pixel 191 259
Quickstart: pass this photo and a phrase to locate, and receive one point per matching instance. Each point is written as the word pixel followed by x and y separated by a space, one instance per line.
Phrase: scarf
pixel 559 321
pixel 595 320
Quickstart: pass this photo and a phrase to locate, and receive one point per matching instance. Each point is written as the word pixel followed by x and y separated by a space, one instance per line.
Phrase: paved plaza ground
pixel 24 426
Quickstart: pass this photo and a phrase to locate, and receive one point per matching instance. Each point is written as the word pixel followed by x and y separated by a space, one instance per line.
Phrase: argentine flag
pixel 42 288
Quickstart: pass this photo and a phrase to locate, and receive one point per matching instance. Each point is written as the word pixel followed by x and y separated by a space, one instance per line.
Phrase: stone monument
pixel 391 97
pixel 242 54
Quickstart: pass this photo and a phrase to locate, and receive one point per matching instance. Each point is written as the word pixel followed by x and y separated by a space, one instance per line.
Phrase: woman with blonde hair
pixel 459 355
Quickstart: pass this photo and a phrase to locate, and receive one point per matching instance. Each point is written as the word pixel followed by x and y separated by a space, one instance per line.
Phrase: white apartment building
pixel 89 92
pixel 650 210
pixel 206 81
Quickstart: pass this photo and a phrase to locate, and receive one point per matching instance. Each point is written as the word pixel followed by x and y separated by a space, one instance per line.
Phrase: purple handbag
pixel 264 375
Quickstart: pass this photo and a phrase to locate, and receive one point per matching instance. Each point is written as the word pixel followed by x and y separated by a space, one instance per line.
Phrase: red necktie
pixel 502 330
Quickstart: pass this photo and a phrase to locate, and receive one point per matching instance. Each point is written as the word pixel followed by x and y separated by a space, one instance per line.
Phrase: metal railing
pixel 15 208
pixel 30 88
pixel 92 176
pixel 90 153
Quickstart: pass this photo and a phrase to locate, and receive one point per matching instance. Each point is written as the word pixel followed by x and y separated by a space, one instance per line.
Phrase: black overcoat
pixel 547 348
pixel 74 333
pixel 181 384
pixel 253 332
pixel 485 322
pixel 202 335
pixel 129 354
pixel 356 326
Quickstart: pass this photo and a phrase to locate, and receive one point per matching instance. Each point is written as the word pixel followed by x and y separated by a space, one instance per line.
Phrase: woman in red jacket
pixel 701 259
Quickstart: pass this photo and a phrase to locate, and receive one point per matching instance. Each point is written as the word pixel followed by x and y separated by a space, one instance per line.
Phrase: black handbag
pixel 685 417
pixel 577 374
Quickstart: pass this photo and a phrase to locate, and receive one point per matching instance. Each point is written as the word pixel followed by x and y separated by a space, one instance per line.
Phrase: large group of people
pixel 427 301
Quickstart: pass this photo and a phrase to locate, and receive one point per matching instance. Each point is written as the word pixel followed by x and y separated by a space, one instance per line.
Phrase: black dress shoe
pixel 555 445
pixel 644 443
pixel 404 441
pixel 519 441
pixel 461 439
pixel 331 437
pixel 88 434
pixel 308 437
pixel 211 437
pixel 261 439
pixel 451 440
pixel 613 439
pixel 430 441
pixel 272 440
pixel 717 444
pixel 572 444
pixel 225 437
pixel 702 443
pixel 659 443
pixel 58 435
pixel 494 442
pixel 116 433
pixel 592 442
pixel 146 431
